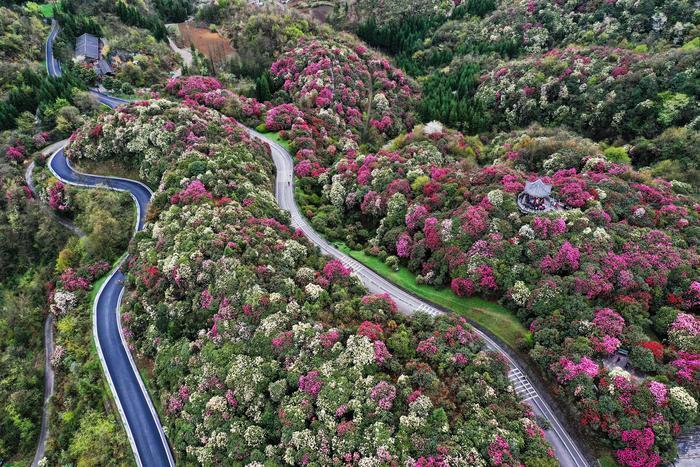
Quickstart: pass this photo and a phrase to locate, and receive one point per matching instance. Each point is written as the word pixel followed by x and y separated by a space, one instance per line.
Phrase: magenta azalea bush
pixel 209 92
pixel 349 83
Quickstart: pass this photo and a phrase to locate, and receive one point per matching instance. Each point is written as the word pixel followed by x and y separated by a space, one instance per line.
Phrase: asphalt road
pixel 138 415
pixel 48 390
pixel 140 419
pixel 566 449
pixel 53 67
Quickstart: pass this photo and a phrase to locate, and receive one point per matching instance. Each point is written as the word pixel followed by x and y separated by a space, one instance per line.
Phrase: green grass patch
pixel 97 285
pixel 490 316
pixel 607 461
pixel 275 136
pixel 46 10
pixel 96 288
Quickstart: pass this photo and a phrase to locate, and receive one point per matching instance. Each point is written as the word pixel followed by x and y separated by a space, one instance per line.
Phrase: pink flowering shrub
pixel 608 321
pixel 15 153
pixel 57 196
pixel 462 287
pixel 571 370
pixel 311 383
pixel 639 452
pixel 193 192
pixel 499 451
pixel 335 269
pixel 282 117
pixel 659 391
pixel 383 394
pixel 189 86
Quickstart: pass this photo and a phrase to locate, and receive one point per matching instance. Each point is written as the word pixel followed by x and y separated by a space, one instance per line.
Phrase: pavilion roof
pixel 538 188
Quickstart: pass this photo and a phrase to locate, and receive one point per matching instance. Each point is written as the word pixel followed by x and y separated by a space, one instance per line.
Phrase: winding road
pixel 137 412
pixel 48 324
pixel 140 419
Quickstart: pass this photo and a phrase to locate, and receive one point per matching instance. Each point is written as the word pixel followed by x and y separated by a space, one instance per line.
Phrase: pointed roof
pixel 103 67
pixel 538 188
pixel 88 46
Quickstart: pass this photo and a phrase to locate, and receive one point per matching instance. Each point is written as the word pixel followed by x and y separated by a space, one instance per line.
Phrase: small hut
pixel 536 198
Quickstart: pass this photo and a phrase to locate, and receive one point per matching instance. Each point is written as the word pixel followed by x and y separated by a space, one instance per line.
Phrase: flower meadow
pixel 265 351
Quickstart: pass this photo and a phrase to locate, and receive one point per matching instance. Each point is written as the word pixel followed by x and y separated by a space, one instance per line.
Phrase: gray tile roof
pixel 103 67
pixel 88 46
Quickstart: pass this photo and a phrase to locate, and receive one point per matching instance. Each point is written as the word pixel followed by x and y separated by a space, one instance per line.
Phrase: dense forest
pixel 492 65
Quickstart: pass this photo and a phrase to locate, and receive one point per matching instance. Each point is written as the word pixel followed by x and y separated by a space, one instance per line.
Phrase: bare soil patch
pixel 212 44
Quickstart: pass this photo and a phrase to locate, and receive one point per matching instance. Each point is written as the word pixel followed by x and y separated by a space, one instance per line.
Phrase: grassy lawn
pixel 275 136
pixel 607 461
pixel 491 316
pixel 46 10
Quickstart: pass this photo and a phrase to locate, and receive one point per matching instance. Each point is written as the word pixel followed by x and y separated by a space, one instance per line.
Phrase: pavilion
pixel 536 198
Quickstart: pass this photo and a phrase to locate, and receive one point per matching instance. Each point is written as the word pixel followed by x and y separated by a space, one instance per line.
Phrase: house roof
pixel 103 67
pixel 88 46
pixel 538 188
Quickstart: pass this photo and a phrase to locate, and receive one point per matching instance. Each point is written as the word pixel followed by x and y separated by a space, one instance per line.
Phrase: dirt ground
pixel 212 44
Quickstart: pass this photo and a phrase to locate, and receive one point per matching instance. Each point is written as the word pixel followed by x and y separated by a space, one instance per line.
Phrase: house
pixel 87 47
pixel 88 50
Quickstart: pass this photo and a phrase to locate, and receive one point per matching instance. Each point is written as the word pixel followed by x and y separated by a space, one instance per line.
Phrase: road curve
pixel 138 414
pixel 566 449
pixel 143 428
pixel 29 180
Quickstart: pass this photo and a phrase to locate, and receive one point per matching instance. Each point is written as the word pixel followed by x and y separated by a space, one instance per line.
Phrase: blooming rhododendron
pixel 381 352
pixel 639 452
pixel 659 391
pixel 373 331
pixel 403 245
pixel 310 383
pixel 57 196
pixel 605 345
pixel 609 321
pixel 190 85
pixel 383 394
pixel 194 191
pixel 571 370
pixel 14 153
pixel 499 451
pixel 462 287
pixel 334 268
pixel 282 117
